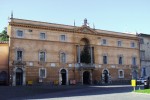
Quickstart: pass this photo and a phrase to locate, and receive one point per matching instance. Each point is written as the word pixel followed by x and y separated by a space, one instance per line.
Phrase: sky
pixel 113 15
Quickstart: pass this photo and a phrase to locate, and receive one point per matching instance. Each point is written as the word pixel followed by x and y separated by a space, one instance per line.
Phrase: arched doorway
pixel 3 78
pixel 86 77
pixel 105 76
pixel 19 76
pixel 63 77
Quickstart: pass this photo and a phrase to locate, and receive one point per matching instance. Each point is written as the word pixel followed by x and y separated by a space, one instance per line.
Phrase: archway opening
pixel 86 77
pixel 3 78
pixel 19 76
pixel 106 76
pixel 63 77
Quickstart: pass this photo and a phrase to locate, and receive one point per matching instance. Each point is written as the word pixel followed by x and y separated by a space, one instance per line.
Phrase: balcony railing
pixel 85 66
pixel 18 62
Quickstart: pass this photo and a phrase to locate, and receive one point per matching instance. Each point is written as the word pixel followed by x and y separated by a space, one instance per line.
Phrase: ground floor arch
pixel 105 76
pixel 86 78
pixel 63 77
pixel 18 76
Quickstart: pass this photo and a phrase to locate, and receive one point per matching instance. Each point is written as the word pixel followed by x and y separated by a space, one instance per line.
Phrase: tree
pixel 85 55
pixel 4 36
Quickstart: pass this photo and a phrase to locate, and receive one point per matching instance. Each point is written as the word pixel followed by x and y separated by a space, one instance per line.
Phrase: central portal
pixel 86 77
pixel 19 76
pixel 63 77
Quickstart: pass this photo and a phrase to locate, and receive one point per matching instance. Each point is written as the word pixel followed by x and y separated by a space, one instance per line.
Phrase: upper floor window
pixel 119 43
pixel 120 60
pixel 42 36
pixel 133 60
pixel 141 41
pixel 19 55
pixel 142 54
pixel 62 37
pixel 104 59
pixel 42 56
pixel 104 42
pixel 63 57
pixel 19 33
pixel 132 44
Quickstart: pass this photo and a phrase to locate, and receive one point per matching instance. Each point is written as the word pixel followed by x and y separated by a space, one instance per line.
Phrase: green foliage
pixel 4 36
pixel 85 55
pixel 143 91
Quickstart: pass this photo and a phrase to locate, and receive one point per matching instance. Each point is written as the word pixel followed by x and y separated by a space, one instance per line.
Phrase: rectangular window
pixel 104 59
pixel 142 54
pixel 42 56
pixel 63 57
pixel 120 60
pixel 141 41
pixel 104 41
pixel 63 38
pixel 132 44
pixel 121 73
pixel 19 55
pixel 19 33
pixel 133 60
pixel 119 43
pixel 42 36
pixel 42 73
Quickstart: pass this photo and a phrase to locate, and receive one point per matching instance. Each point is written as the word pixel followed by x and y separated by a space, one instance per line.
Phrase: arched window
pixel 63 57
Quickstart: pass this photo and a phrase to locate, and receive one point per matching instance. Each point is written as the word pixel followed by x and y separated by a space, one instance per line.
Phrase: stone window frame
pixel 45 74
pixel 106 58
pixel 119 43
pixel 41 38
pixel 45 55
pixel 119 59
pixel 18 35
pixel 61 57
pixel 16 54
pixel 134 63
pixel 132 44
pixel 119 74
pixel 102 42
pixel 65 38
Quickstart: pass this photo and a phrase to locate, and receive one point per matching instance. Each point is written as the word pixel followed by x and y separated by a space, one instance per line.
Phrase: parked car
pixel 141 80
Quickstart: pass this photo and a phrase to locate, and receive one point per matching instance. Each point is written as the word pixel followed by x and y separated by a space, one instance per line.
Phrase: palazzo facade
pixel 56 53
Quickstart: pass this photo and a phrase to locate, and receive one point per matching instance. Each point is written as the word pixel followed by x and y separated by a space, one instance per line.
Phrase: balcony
pixel 18 62
pixel 85 66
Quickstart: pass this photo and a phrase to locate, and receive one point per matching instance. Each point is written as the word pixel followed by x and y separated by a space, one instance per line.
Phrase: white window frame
pixel 40 72
pixel 106 59
pixel 65 38
pixel 119 76
pixel 18 35
pixel 45 56
pixel 61 60
pixel 102 42
pixel 17 55
pixel 41 35
pixel 119 59
pixel 119 43
pixel 132 46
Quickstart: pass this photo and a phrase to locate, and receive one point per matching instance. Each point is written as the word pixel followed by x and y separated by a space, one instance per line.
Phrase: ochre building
pixel 63 54
pixel 4 71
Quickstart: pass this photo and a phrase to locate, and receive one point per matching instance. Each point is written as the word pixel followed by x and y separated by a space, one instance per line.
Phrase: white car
pixel 141 80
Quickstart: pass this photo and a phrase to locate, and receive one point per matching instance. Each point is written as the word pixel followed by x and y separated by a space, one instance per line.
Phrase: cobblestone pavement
pixel 117 92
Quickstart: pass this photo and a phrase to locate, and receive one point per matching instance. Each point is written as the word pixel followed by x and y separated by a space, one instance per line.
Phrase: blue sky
pixel 112 15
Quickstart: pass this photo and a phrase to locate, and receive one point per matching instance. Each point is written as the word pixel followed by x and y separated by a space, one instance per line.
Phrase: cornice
pixel 79 30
